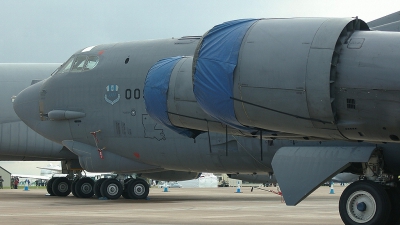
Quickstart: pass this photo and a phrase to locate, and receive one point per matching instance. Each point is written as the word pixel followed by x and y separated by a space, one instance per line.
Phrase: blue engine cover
pixel 216 61
pixel 156 94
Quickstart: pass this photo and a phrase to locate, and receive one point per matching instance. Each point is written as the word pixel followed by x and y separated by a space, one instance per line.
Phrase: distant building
pixel 6 177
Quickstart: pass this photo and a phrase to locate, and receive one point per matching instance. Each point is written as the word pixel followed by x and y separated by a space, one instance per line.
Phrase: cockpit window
pixel 91 62
pixel 78 63
pixel 67 66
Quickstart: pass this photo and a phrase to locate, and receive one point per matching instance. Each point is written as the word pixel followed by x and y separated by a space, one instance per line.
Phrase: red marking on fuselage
pixel 137 155
pixel 101 52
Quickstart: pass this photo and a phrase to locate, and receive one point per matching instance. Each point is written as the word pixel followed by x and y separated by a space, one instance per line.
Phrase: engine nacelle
pixel 169 99
pixel 171 175
pixel 328 78
pixel 273 74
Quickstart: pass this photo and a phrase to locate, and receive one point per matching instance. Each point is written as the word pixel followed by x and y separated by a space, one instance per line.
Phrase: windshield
pixel 79 63
pixel 67 65
pixel 91 62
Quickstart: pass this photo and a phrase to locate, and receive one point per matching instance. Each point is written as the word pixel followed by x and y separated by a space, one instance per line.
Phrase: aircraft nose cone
pixel 26 105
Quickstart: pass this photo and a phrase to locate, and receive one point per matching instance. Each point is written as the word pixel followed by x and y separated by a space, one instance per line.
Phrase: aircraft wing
pixel 57 169
pixel 31 176
pixel 390 22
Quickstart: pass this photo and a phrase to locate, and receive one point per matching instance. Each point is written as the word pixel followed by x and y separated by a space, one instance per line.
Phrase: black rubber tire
pixel 138 189
pixel 61 186
pixel 73 189
pixel 394 216
pixel 49 186
pixel 84 187
pixel 365 191
pixel 125 193
pixel 111 188
pixel 97 186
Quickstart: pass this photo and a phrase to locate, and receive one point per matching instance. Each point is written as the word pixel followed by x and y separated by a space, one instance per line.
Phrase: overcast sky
pixel 50 31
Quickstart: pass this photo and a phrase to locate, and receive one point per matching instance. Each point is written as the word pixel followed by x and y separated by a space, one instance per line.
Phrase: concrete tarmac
pixel 178 206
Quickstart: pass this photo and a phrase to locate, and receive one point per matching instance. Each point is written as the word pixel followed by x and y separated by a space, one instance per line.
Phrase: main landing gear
pixel 373 200
pixel 110 188
pixel 62 186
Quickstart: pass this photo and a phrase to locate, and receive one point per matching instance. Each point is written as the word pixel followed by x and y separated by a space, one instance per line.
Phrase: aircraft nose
pixel 26 105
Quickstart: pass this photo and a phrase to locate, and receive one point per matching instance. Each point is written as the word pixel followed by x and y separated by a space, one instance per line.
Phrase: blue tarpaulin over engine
pixel 213 76
pixel 155 94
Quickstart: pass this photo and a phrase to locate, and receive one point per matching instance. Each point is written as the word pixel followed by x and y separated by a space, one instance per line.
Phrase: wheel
pixel 84 187
pixel 97 186
pixel 49 186
pixel 111 188
pixel 73 189
pixel 364 202
pixel 125 193
pixel 138 189
pixel 61 186
pixel 394 216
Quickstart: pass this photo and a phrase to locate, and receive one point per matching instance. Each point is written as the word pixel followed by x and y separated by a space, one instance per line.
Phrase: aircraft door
pixel 78 130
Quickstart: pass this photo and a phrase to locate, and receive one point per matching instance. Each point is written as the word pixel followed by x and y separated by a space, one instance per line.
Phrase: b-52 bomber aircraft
pixel 19 143
pixel 192 103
